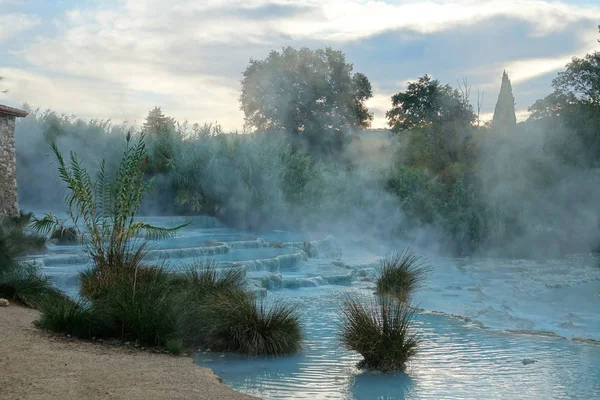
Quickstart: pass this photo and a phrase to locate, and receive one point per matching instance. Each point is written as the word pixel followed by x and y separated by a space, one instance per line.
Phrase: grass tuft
pixel 402 273
pixel 240 323
pixel 381 333
pixel 63 315
pixel 175 346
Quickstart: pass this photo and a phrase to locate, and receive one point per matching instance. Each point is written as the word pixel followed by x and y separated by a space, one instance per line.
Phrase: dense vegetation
pixel 122 296
pixel 21 282
pixel 502 188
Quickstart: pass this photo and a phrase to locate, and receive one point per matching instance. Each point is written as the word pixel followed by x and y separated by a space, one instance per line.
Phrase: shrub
pixel 21 282
pixel 401 274
pixel 141 308
pixel 79 319
pixel 175 346
pixel 381 333
pixel 239 322
pixel 203 279
pixel 26 284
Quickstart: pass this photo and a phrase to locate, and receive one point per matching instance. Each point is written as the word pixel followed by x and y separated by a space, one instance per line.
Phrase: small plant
pixel 175 346
pixel 401 274
pixel 203 279
pixel 238 322
pixel 381 333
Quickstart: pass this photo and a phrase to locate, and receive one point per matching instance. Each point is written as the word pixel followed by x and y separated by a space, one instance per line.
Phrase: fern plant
pixel 104 210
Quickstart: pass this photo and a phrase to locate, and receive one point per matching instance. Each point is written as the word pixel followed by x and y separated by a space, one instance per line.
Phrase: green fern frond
pixel 46 225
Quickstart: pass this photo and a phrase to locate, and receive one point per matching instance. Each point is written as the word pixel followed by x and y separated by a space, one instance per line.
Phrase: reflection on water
pixel 457 360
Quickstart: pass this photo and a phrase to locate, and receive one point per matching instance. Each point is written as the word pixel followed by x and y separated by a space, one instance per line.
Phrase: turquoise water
pixel 458 358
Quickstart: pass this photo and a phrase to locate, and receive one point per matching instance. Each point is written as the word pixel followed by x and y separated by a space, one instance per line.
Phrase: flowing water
pixel 479 321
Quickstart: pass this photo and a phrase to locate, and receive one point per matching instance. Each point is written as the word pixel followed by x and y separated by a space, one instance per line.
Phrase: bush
pixel 21 282
pixel 26 284
pixel 204 279
pixel 239 322
pixel 401 274
pixel 381 333
pixel 79 319
pixel 175 346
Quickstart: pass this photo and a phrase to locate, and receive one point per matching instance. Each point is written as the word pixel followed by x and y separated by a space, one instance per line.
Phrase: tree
pixel 574 107
pixel 427 102
pixel 581 79
pixel 161 132
pixel 504 113
pixel 312 95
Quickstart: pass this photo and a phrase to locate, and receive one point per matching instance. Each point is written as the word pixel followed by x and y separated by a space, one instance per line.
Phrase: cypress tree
pixel 504 114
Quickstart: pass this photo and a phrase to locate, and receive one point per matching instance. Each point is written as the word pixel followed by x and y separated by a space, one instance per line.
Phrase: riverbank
pixel 39 365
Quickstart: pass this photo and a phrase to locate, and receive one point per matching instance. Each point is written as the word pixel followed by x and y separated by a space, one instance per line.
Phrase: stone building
pixel 9 205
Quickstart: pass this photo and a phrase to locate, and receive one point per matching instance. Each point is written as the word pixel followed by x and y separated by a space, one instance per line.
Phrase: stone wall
pixel 8 167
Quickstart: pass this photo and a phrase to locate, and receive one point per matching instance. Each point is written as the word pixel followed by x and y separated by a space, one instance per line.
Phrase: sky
pixel 117 59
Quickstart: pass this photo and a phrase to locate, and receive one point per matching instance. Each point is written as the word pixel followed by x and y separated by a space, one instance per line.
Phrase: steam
pixel 537 203
pixel 541 205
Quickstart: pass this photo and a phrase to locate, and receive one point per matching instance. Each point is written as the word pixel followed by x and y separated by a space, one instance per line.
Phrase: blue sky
pixel 119 58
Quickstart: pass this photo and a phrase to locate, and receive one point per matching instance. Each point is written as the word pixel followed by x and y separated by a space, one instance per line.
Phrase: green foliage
pixel 76 318
pixel 241 323
pixel 504 113
pixel 26 284
pixel 175 346
pixel 298 178
pixel 382 333
pixel 428 102
pixel 402 273
pixel 106 208
pixel 581 79
pixel 21 282
pixel 419 194
pixel 309 94
pixel 141 307
pixel 204 278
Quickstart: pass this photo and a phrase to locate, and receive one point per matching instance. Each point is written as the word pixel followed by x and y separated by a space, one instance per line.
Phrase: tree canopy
pixel 427 102
pixel 310 94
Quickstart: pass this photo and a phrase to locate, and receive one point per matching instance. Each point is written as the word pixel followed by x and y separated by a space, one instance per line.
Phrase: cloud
pixel 120 58
pixel 15 23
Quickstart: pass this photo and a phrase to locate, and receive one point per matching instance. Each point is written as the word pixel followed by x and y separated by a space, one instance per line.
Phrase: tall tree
pixel 160 131
pixel 310 94
pixel 504 113
pixel 427 102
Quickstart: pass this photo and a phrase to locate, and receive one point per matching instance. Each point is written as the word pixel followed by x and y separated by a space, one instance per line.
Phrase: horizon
pixel 119 59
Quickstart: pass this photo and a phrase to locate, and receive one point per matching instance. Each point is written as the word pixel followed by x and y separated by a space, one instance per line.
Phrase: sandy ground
pixel 38 365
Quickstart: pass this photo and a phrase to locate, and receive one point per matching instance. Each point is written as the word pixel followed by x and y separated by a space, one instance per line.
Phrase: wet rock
pixel 64 236
pixel 4 303
pixel 528 361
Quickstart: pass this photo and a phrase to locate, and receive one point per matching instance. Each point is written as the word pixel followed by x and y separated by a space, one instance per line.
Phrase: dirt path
pixel 37 365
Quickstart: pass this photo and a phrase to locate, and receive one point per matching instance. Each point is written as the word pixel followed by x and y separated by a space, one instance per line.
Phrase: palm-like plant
pixel 105 209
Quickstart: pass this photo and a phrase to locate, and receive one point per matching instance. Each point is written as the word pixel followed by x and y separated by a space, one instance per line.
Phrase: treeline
pixel 442 177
